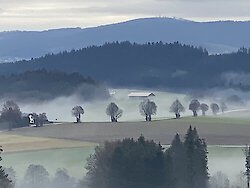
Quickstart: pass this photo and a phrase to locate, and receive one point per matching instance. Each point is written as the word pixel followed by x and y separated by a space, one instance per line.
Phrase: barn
pixel 141 95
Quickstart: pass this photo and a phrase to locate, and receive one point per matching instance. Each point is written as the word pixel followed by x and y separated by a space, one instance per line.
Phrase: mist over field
pixel 227 159
pixel 59 109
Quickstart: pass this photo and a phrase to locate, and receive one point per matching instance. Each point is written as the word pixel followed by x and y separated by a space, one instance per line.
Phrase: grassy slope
pixel 216 130
pixel 18 143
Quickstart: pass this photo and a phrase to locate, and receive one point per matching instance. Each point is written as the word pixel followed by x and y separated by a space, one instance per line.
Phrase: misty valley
pixel 147 103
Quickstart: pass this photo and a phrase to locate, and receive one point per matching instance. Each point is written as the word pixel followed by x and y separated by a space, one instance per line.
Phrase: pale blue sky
pixel 47 14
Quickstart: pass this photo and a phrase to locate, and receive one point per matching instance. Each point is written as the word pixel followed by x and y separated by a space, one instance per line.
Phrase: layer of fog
pixel 228 160
pixel 95 111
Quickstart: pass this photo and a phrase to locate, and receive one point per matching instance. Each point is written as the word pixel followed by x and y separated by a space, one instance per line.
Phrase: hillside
pixel 41 85
pixel 156 65
pixel 217 37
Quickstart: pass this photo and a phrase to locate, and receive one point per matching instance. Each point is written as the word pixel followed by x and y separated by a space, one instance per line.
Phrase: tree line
pixel 37 176
pixel 172 65
pixel 12 117
pixel 134 163
pixel 146 164
pixel 147 108
pixel 40 85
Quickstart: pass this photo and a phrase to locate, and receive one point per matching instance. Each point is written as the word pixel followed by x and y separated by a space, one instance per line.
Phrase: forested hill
pixel 154 65
pixel 42 85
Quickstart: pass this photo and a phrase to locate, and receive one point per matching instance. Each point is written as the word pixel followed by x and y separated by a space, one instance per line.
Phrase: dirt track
pixel 215 132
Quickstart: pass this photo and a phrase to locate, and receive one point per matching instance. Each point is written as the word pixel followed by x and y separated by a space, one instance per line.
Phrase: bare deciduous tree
pixel 147 109
pixel 177 108
pixel 215 108
pixel 77 111
pixel 223 107
pixel 204 107
pixel 5 182
pixel 114 112
pixel 194 106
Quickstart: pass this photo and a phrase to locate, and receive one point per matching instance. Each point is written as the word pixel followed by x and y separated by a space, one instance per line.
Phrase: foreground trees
pixel 144 164
pixel 5 182
pixel 77 111
pixel 177 108
pixel 247 165
pixel 36 176
pixel 147 108
pixel 114 112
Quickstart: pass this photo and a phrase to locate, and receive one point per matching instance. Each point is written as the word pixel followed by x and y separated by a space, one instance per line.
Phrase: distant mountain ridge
pixel 216 37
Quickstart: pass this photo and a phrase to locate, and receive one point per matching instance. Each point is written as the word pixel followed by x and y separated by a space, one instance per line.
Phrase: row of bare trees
pixel 148 108
pixel 196 106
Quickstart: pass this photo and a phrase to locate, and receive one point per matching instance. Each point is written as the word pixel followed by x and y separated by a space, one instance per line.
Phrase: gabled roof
pixel 141 94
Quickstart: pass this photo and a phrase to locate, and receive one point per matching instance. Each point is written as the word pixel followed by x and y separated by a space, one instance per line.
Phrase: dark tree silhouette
pixel 247 165
pixel 5 182
pixel 127 163
pixel 147 109
pixel 114 112
pixel 215 108
pixel 39 119
pixel 177 153
pixel 177 108
pixel 204 107
pixel 42 85
pixel 42 119
pixel 196 160
pixel 77 111
pixel 144 164
pixel 183 66
pixel 194 106
pixel 11 113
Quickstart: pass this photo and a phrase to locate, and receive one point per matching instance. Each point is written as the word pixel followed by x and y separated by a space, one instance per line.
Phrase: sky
pixel 48 14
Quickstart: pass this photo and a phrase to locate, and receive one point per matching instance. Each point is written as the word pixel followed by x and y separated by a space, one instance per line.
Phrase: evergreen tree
pixel 127 163
pixel 177 153
pixel 5 182
pixel 247 165
pixel 196 160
